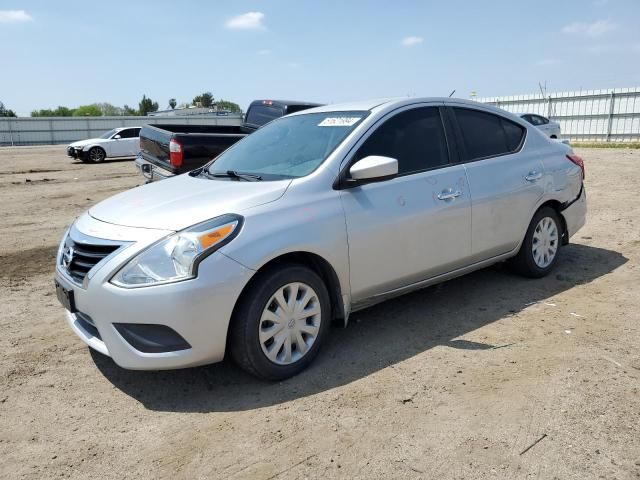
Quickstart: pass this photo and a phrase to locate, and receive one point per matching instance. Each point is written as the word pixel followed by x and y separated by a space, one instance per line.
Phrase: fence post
pixel 10 131
pixel 612 100
pixel 88 129
pixel 549 106
pixel 51 135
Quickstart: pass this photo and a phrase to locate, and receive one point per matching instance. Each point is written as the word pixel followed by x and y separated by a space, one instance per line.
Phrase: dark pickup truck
pixel 167 150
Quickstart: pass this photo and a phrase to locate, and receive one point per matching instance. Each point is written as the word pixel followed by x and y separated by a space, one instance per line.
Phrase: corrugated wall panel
pixel 61 130
pixel 586 115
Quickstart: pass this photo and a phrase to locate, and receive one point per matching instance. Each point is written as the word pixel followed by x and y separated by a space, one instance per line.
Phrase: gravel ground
pixel 455 381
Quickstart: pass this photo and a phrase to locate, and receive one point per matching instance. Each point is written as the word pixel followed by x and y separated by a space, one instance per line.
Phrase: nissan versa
pixel 312 217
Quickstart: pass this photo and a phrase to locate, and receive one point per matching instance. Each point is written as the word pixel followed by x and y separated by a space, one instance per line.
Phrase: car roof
pixel 396 102
pixel 531 113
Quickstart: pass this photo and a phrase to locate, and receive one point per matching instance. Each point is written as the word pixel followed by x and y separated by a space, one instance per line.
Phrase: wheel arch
pixel 314 262
pixel 96 145
pixel 557 206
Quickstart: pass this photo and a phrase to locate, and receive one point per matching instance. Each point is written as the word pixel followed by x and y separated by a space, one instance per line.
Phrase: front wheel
pixel 97 155
pixel 539 251
pixel 280 323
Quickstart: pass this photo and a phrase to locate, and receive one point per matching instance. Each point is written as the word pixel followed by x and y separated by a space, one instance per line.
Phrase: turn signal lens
pixel 215 236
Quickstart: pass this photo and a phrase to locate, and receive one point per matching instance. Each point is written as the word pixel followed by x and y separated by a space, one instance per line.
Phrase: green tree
pixel 172 103
pixel 226 105
pixel 109 110
pixel 63 111
pixel 58 112
pixel 5 112
pixel 43 112
pixel 204 99
pixel 87 111
pixel 127 110
pixel 147 105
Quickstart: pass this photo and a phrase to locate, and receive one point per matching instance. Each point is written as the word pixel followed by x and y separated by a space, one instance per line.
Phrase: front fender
pixel 295 224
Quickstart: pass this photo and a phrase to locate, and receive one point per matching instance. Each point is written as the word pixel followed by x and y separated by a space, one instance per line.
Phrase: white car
pixel 549 127
pixel 119 142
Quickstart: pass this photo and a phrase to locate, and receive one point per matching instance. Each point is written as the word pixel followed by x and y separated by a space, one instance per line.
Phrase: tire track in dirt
pixel 25 264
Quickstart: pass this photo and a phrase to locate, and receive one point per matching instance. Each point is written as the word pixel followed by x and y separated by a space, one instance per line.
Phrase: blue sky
pixel 77 52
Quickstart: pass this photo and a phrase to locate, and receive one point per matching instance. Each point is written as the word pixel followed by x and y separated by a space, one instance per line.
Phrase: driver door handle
pixel 449 194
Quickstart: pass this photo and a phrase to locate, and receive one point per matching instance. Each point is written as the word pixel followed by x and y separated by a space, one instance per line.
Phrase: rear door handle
pixel 533 176
pixel 449 194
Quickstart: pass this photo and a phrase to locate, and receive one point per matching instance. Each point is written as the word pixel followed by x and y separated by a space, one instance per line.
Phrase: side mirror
pixel 374 168
pixel 117 137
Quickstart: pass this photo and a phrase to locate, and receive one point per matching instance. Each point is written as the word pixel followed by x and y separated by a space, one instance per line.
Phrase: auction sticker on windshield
pixel 339 121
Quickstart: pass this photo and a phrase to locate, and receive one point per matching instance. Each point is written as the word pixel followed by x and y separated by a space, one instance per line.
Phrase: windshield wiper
pixel 249 177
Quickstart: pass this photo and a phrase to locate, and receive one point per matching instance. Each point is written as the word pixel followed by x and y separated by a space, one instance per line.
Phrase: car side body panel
pixel 381 239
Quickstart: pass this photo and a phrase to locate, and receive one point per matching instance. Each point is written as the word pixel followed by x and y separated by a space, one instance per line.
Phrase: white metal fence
pixel 584 116
pixel 55 130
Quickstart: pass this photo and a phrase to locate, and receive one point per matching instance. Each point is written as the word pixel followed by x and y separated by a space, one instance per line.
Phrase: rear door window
pixel 127 133
pixel 414 137
pixel 487 135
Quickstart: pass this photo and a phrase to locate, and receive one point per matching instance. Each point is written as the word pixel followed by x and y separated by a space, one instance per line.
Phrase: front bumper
pixel 199 310
pixel 150 171
pixel 77 154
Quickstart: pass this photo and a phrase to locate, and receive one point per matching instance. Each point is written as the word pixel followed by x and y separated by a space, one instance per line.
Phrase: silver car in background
pixel 550 128
pixel 312 217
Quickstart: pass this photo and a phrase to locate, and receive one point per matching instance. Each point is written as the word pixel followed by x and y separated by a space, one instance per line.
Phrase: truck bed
pixel 200 144
pixel 182 128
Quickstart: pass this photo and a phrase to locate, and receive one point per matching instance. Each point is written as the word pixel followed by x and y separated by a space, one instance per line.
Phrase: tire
pixel 537 262
pixel 259 313
pixel 96 155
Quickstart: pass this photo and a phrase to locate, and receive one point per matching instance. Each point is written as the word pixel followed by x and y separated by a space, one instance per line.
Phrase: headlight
pixel 177 257
pixel 79 148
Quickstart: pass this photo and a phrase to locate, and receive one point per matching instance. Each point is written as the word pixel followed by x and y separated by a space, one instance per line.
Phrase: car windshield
pixel 108 134
pixel 290 147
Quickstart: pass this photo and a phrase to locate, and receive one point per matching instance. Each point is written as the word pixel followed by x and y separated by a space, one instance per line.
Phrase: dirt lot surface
pixel 455 381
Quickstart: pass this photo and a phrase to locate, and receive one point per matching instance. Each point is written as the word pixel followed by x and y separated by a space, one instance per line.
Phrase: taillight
pixel 577 159
pixel 175 153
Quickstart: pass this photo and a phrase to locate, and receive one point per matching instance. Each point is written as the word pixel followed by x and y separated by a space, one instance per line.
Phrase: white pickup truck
pixel 119 142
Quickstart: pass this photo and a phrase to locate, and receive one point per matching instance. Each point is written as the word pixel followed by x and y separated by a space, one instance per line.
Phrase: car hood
pixel 83 143
pixel 183 201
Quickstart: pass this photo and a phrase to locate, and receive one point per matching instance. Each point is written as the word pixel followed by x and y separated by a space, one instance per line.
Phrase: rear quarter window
pixel 263 114
pixel 487 135
pixel 515 134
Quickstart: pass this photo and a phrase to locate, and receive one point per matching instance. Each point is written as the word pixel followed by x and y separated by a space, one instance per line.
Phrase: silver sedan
pixel 314 216
pixel 549 127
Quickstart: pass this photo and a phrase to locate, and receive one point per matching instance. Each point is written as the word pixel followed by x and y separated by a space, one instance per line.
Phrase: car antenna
pixel 451 94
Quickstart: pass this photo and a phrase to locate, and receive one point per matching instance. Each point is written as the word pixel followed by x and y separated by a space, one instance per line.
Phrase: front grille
pixel 78 258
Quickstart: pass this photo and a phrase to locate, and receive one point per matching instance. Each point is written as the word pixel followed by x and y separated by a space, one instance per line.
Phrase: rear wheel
pixel 539 251
pixel 280 323
pixel 96 155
